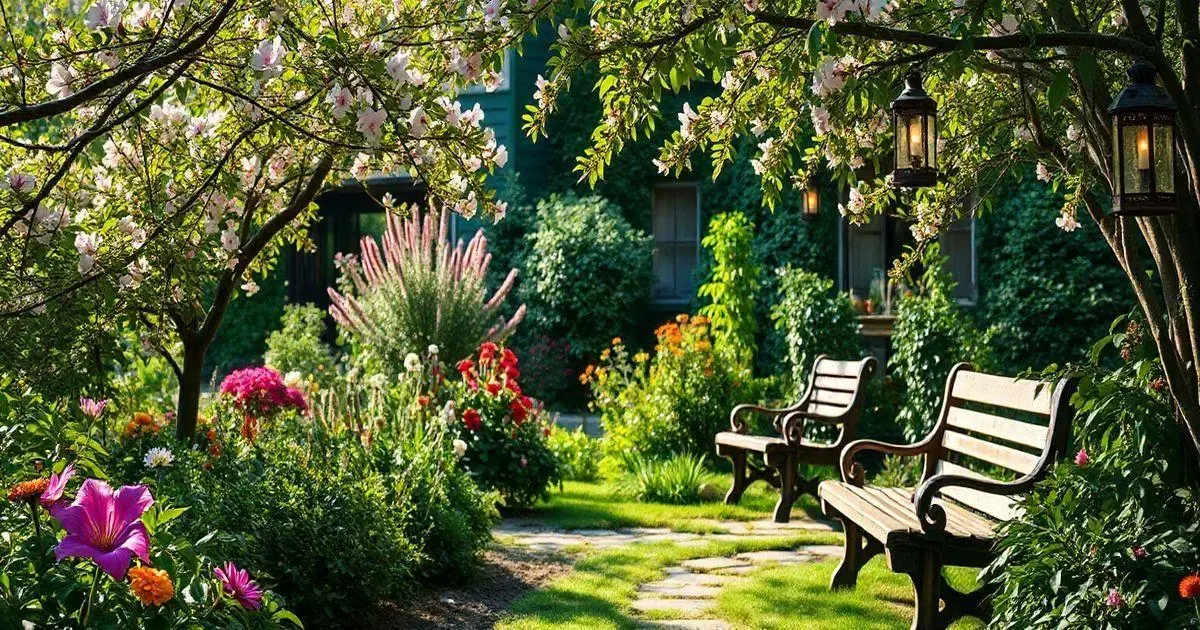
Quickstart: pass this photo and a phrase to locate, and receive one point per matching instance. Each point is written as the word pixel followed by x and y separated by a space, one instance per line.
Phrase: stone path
pixel 689 590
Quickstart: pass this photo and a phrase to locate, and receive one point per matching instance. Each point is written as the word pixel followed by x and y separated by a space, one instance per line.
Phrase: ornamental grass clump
pixel 415 290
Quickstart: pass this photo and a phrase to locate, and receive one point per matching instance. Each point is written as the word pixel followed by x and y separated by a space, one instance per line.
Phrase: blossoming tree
pixel 155 156
pixel 1015 82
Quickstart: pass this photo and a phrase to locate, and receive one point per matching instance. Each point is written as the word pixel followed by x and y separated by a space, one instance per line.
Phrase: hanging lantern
pixel 914 124
pixel 812 200
pixel 1143 128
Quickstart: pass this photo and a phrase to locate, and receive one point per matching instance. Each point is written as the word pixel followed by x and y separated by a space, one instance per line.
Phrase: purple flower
pixel 58 484
pixel 92 408
pixel 106 526
pixel 238 585
pixel 1114 599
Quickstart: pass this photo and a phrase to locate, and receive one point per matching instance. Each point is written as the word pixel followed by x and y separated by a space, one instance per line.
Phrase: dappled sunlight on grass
pixel 581 505
pixel 797 597
pixel 598 593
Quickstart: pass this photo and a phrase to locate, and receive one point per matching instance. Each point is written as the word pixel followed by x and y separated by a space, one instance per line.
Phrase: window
pixel 867 252
pixel 676 227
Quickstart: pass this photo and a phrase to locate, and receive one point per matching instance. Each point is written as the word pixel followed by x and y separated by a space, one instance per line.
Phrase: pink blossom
pixel 1139 552
pixel 237 584
pixel 1114 599
pixel 92 408
pixel 261 390
pixel 267 57
pixel 341 99
pixel 370 123
pixel 104 14
pixel 106 526
pixel 18 182
pixel 397 67
pixel 1081 458
pixel 51 498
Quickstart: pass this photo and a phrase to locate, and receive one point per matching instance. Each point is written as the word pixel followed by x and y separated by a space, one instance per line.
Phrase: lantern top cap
pixel 1143 92
pixel 914 95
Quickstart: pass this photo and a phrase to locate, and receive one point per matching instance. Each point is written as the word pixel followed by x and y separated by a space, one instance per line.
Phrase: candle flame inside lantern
pixel 1143 148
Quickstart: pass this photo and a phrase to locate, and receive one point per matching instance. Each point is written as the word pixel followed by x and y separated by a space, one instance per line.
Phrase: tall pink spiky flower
pixel 413 288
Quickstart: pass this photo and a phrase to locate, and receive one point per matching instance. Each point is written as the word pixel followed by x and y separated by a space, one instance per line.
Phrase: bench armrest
pixel 852 471
pixel 738 423
pixel 933 517
pixel 793 423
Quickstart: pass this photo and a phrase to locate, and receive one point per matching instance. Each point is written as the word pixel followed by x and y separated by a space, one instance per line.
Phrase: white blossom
pixel 1043 173
pixel 104 14
pixel 267 57
pixel 59 83
pixel 341 99
pixel 460 448
pixel 87 244
pixel 158 457
pixel 1067 222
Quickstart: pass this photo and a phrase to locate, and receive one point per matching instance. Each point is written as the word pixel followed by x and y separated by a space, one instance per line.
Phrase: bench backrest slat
pixel 990 421
pixel 837 383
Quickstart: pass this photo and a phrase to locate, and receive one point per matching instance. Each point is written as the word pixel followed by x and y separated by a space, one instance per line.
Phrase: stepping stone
pixel 702 579
pixel 736 571
pixel 796 524
pixel 690 624
pixel 781 557
pixel 686 606
pixel 823 551
pixel 714 564
pixel 681 591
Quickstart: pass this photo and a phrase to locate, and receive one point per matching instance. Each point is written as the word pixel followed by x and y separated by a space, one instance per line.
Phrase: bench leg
pixel 786 467
pixel 860 548
pixel 977 603
pixel 740 480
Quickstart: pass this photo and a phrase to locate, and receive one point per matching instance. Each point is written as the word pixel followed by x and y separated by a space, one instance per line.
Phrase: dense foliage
pixel 578 454
pixel 732 286
pixel 677 480
pixel 815 320
pixel 1109 539
pixel 297 346
pixel 932 333
pixel 586 274
pixel 502 432
pixel 671 403
pixel 1048 293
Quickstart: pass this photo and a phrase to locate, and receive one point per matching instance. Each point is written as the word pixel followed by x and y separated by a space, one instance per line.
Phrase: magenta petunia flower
pixel 238 585
pixel 106 526
pixel 58 484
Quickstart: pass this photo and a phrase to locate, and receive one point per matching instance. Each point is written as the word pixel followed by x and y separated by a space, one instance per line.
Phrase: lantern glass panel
pixel 1164 159
pixel 1116 155
pixel 931 139
pixel 811 201
pixel 910 146
pixel 1135 155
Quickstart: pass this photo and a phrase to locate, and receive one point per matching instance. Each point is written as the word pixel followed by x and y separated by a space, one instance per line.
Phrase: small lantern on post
pixel 812 200
pixel 1143 127
pixel 914 125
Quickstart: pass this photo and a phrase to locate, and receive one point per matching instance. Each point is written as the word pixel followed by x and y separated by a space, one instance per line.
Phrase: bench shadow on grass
pixel 797 597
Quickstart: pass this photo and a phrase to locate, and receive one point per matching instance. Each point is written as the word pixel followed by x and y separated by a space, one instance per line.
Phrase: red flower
pixel 526 402
pixel 493 387
pixel 487 352
pixel 512 373
pixel 1189 586
pixel 423 401
pixel 519 413
pixel 465 366
pixel 471 420
pixel 508 358
pixel 513 387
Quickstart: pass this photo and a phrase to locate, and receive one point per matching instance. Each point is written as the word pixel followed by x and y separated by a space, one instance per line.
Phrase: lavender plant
pixel 416 291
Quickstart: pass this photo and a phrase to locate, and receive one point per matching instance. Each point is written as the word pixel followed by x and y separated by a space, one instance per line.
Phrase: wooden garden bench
pixel 951 519
pixel 834 397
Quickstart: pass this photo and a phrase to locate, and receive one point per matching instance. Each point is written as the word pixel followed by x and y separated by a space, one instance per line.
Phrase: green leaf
pixel 1058 89
pixel 816 35
pixel 1085 65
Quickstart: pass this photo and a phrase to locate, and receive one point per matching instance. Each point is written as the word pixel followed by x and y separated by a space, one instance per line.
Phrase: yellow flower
pixel 641 357
pixel 604 355
pixel 152 587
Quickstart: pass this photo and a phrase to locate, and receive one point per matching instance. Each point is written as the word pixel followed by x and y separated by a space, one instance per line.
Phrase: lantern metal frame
pixel 1143 104
pixel 914 101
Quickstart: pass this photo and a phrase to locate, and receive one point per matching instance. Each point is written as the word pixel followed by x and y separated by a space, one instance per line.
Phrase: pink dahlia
pixel 237 584
pixel 106 526
pixel 261 390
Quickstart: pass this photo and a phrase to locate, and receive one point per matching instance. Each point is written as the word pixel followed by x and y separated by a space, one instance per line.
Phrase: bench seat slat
pixel 990 452
pixel 883 512
pixel 1002 391
pixel 997 506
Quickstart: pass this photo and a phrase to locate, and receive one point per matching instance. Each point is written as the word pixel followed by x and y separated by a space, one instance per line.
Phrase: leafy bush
pixel 732 286
pixel 932 333
pixel 676 480
pixel 671 404
pixel 1105 540
pixel 297 345
pixel 418 292
pixel 503 431
pixel 586 272
pixel 578 455
pixel 1048 293
pixel 547 369
pixel 815 319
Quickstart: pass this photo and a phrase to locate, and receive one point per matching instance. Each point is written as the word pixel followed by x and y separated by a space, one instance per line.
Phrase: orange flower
pixel 616 341
pixel 152 587
pixel 1189 586
pixel 28 491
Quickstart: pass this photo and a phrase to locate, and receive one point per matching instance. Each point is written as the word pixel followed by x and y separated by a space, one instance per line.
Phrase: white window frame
pixel 699 228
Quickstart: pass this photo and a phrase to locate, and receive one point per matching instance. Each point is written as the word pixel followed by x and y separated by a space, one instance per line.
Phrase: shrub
pixel 676 480
pixel 732 286
pixel 547 369
pixel 503 431
pixel 417 292
pixel 671 404
pixel 586 272
pixel 578 455
pixel 815 319
pixel 1105 540
pixel 297 345
pixel 932 333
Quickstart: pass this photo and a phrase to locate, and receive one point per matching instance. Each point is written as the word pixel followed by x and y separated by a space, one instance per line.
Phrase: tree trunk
pixel 188 409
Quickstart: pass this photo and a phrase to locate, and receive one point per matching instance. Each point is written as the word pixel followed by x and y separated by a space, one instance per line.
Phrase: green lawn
pixel 599 505
pixel 797 597
pixel 597 594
